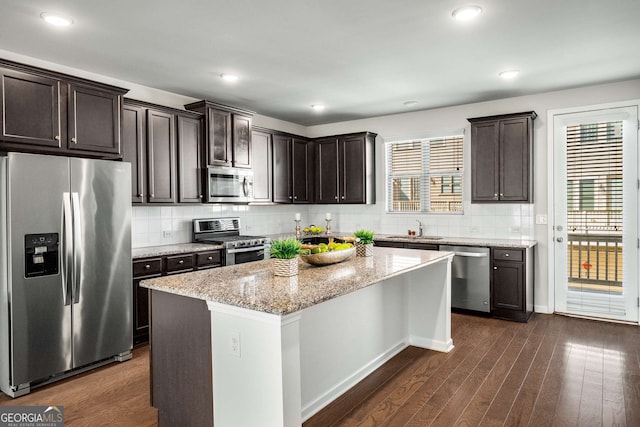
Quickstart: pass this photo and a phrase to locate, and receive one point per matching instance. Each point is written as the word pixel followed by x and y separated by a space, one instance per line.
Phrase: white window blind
pixel 425 175
pixel 594 217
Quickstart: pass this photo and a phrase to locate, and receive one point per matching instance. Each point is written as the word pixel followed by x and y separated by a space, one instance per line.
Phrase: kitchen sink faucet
pixel 420 228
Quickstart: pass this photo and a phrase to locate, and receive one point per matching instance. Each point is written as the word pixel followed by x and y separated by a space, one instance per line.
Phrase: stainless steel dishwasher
pixel 470 269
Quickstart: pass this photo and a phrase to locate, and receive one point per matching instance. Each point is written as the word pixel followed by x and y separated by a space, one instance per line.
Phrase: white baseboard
pixel 429 344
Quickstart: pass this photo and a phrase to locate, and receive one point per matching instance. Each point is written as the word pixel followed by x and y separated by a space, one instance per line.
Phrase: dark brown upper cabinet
pixel 262 153
pixel 161 149
pixel 227 135
pixel 345 169
pixel 292 169
pixel 189 160
pixel 164 147
pixel 134 148
pixel 501 158
pixel 47 112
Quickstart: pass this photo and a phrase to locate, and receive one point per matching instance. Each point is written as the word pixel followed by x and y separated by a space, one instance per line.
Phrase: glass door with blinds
pixel 595 228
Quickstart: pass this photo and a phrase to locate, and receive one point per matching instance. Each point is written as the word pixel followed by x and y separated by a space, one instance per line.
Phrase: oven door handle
pixel 251 249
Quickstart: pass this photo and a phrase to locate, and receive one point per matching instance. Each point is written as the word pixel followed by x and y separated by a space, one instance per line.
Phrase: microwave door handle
pixel 67 244
pixel 245 187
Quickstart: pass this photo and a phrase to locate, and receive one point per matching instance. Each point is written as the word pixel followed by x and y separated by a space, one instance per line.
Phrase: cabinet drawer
pixel 208 259
pixel 179 263
pixel 423 246
pixel 508 254
pixel 147 267
pixel 387 244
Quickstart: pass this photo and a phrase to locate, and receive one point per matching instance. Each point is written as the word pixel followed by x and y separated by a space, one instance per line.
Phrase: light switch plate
pixel 541 219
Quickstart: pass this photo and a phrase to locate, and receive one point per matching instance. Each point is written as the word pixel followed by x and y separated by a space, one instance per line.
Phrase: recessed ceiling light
pixel 410 103
pixel 508 74
pixel 466 13
pixel 57 20
pixel 229 77
pixel 317 107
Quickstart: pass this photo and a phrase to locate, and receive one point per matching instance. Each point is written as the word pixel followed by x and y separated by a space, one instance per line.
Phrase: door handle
pixel 77 246
pixel 559 239
pixel 67 244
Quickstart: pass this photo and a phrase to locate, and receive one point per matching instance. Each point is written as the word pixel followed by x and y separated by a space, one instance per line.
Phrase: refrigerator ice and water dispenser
pixel 41 254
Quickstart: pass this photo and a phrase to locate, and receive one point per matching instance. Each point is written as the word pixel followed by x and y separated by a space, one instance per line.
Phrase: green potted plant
pixel 364 242
pixel 285 256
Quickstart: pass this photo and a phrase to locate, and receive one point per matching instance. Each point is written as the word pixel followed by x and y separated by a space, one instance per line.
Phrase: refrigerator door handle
pixel 77 245
pixel 67 247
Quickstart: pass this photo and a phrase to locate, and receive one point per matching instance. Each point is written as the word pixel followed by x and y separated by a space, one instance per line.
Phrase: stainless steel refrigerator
pixel 65 267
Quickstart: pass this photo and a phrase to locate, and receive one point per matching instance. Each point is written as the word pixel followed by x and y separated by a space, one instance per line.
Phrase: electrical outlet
pixel 166 234
pixel 234 344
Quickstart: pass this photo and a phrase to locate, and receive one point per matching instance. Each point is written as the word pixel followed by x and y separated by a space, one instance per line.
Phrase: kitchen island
pixel 276 349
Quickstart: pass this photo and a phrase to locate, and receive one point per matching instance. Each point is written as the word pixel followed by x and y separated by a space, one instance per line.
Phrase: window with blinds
pixel 425 175
pixel 594 217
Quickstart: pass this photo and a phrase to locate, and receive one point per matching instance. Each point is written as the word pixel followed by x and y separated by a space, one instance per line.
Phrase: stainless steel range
pixel 226 231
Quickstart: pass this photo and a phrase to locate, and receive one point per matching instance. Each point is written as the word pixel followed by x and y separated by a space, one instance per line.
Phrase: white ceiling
pixel 360 58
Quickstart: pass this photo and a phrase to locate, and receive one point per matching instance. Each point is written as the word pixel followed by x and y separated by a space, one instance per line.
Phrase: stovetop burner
pixel 225 231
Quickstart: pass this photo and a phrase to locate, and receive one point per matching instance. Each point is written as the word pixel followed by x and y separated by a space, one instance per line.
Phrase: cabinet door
pixel 134 149
pixel 327 171
pixel 302 160
pixel 507 285
pixel 161 148
pixel 386 244
pixel 241 141
pixel 94 120
pixel 262 159
pixel 30 109
pixel 352 170
pixel 514 159
pixel 282 169
pixel 189 172
pixel 219 138
pixel 485 157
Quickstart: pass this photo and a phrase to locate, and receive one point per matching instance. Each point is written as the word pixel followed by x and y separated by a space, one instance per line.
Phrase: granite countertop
pixel 438 240
pixel 464 241
pixel 180 248
pixel 253 285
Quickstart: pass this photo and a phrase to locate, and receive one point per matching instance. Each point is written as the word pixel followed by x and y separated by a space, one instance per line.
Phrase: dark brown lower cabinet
pixel 148 268
pixel 407 245
pixel 512 283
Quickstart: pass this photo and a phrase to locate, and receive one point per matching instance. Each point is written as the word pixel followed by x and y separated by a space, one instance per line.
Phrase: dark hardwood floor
pixel 553 370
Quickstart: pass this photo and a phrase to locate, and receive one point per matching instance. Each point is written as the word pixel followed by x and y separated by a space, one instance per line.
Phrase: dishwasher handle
pixel 471 254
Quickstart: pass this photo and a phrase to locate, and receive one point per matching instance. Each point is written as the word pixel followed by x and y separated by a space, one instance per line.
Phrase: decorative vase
pixel 364 250
pixel 285 267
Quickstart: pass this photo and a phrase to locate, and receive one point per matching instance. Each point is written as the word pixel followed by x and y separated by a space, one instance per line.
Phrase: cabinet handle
pixel 295 197
pixel 336 197
pixel 495 196
pixel 501 196
pixel 290 197
pixel 151 195
pixel 495 268
pixel 506 255
pixel 181 261
pixel 57 137
pixel 210 258
pixel 342 197
pixel 146 267
pixel 200 195
pixel 74 140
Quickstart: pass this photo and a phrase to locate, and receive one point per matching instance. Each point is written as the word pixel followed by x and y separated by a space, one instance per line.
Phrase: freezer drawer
pixel 470 278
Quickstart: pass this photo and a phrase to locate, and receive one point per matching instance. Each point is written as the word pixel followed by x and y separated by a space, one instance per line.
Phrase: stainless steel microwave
pixel 229 185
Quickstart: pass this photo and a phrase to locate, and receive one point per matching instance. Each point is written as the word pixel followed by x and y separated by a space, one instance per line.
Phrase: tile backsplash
pixel 163 225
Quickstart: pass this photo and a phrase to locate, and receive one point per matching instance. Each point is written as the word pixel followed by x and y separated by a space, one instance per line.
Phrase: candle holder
pixel 327 229
pixel 298 233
